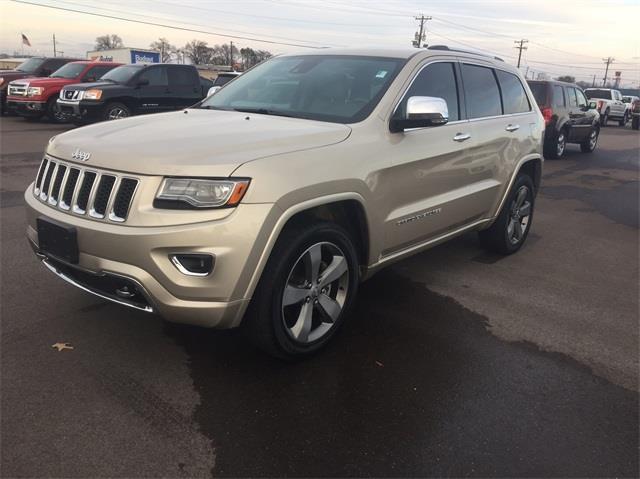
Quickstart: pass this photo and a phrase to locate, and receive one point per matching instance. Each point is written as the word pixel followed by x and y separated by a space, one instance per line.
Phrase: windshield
pixel 334 88
pixel 121 74
pixel 70 70
pixel 31 65
pixel 598 93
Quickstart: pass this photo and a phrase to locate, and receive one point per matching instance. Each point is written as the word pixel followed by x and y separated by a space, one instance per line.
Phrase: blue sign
pixel 138 56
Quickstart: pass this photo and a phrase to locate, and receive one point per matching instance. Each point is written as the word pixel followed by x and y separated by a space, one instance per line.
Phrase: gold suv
pixel 273 198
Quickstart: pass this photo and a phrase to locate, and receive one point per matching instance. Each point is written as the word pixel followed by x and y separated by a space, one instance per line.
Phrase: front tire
pixel 589 145
pixel 624 120
pixel 510 230
pixel 305 292
pixel 54 113
pixel 116 111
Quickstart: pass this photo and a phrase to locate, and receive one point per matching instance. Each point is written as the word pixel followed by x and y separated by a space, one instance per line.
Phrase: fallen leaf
pixel 61 346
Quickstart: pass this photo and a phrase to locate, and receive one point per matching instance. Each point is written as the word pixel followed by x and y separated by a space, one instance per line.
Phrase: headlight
pixel 92 94
pixel 200 193
pixel 35 91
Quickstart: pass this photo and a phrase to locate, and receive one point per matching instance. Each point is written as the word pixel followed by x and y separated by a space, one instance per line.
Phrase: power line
pixel 166 26
pixel 520 47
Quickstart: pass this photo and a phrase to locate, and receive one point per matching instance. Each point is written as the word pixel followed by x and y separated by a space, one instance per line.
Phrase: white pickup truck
pixel 609 105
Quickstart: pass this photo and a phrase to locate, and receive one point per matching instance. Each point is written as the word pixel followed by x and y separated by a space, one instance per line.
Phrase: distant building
pixel 125 55
pixel 10 63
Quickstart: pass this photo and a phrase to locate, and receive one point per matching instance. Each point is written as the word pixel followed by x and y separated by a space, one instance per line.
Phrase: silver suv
pixel 265 205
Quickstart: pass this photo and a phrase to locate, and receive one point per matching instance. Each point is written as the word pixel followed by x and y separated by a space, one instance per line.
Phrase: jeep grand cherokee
pixel 266 204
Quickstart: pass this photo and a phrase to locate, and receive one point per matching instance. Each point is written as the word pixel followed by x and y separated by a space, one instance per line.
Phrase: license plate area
pixel 58 240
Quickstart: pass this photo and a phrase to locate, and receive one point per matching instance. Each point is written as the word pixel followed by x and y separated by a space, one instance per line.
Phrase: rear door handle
pixel 511 127
pixel 461 137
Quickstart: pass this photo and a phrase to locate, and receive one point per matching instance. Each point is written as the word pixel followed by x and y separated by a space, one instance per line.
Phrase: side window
pixel 481 91
pixel 558 97
pixel 157 76
pixel 96 72
pixel 181 76
pixel 582 101
pixel 514 98
pixel 571 96
pixel 437 80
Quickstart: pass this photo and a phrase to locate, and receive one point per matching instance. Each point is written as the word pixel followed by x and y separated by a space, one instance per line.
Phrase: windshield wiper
pixel 263 111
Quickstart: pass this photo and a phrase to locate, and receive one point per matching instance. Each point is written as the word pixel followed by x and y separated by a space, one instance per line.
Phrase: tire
pixel 623 121
pixel 589 145
pixel 635 122
pixel 281 330
pixel 116 111
pixel 604 119
pixel 502 236
pixel 53 111
pixel 559 146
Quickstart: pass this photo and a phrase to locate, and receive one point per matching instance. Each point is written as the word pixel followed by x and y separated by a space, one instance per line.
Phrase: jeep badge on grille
pixel 80 155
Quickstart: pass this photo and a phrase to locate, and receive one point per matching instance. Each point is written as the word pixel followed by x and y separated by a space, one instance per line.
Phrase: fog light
pixel 193 264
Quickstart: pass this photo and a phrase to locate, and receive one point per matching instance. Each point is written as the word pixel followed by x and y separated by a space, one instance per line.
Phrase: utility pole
pixel 593 83
pixel 608 61
pixel 420 34
pixel 54 44
pixel 520 47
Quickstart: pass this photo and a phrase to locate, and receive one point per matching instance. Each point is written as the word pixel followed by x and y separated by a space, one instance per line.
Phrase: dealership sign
pixel 138 56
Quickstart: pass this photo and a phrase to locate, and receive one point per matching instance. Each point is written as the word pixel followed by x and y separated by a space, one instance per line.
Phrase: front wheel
pixel 54 113
pixel 116 111
pixel 604 118
pixel 624 120
pixel 305 292
pixel 589 145
pixel 510 230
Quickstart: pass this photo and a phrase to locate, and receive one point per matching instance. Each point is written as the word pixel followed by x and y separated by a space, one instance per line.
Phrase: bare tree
pixel 251 57
pixel 107 42
pixel 165 48
pixel 199 52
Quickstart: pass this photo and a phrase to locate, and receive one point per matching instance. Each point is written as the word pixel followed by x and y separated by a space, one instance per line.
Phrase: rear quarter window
pixel 514 98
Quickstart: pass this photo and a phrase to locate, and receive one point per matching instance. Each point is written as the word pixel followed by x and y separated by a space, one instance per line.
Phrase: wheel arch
pixel 345 209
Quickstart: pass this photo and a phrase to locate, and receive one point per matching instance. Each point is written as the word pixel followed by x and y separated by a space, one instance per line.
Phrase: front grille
pixel 17 89
pixel 101 195
pixel 72 95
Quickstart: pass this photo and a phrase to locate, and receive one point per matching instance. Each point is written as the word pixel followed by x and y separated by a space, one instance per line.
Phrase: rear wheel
pixel 305 292
pixel 556 149
pixel 510 230
pixel 589 145
pixel 116 111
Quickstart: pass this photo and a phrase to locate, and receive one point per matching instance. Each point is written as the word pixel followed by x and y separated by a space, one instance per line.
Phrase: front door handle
pixel 511 127
pixel 461 137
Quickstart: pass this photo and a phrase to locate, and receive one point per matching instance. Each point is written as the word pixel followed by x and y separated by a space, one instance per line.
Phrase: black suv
pixel 568 115
pixel 133 90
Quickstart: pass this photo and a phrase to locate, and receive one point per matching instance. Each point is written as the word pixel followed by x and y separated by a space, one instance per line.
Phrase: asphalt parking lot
pixel 456 362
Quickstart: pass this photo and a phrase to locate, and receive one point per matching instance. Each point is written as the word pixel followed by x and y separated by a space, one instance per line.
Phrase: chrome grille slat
pixel 66 186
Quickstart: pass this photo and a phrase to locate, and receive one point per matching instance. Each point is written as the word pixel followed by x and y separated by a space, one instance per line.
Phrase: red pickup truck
pixel 34 98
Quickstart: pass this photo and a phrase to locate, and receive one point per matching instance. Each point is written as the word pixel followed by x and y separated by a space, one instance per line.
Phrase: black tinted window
pixel 437 80
pixel 157 76
pixel 182 76
pixel 598 93
pixel 481 91
pixel 571 96
pixel 514 98
pixel 558 96
pixel 539 91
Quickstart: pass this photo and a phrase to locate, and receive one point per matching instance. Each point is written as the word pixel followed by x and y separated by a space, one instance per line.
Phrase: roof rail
pixel 445 47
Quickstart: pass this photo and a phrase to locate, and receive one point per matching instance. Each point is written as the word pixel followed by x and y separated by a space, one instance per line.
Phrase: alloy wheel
pixel 117 113
pixel 315 292
pixel 520 214
pixel 593 140
pixel 561 144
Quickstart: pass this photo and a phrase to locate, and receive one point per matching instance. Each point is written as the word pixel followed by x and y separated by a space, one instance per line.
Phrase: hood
pixel 48 81
pixel 95 84
pixel 11 75
pixel 193 142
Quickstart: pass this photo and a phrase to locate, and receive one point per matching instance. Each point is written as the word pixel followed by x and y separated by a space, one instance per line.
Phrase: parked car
pixel 609 104
pixel 267 203
pixel 34 98
pixel 132 90
pixel 635 115
pixel 629 102
pixel 568 115
pixel 222 79
pixel 32 67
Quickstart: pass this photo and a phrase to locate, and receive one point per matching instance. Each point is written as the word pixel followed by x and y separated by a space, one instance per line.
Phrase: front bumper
pixel 84 111
pixel 113 255
pixel 27 108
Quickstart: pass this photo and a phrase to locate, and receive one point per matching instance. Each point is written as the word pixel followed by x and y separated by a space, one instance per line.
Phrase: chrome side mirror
pixel 422 111
pixel 212 90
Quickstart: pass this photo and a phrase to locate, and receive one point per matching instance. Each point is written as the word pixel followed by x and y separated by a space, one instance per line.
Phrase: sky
pixel 565 36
